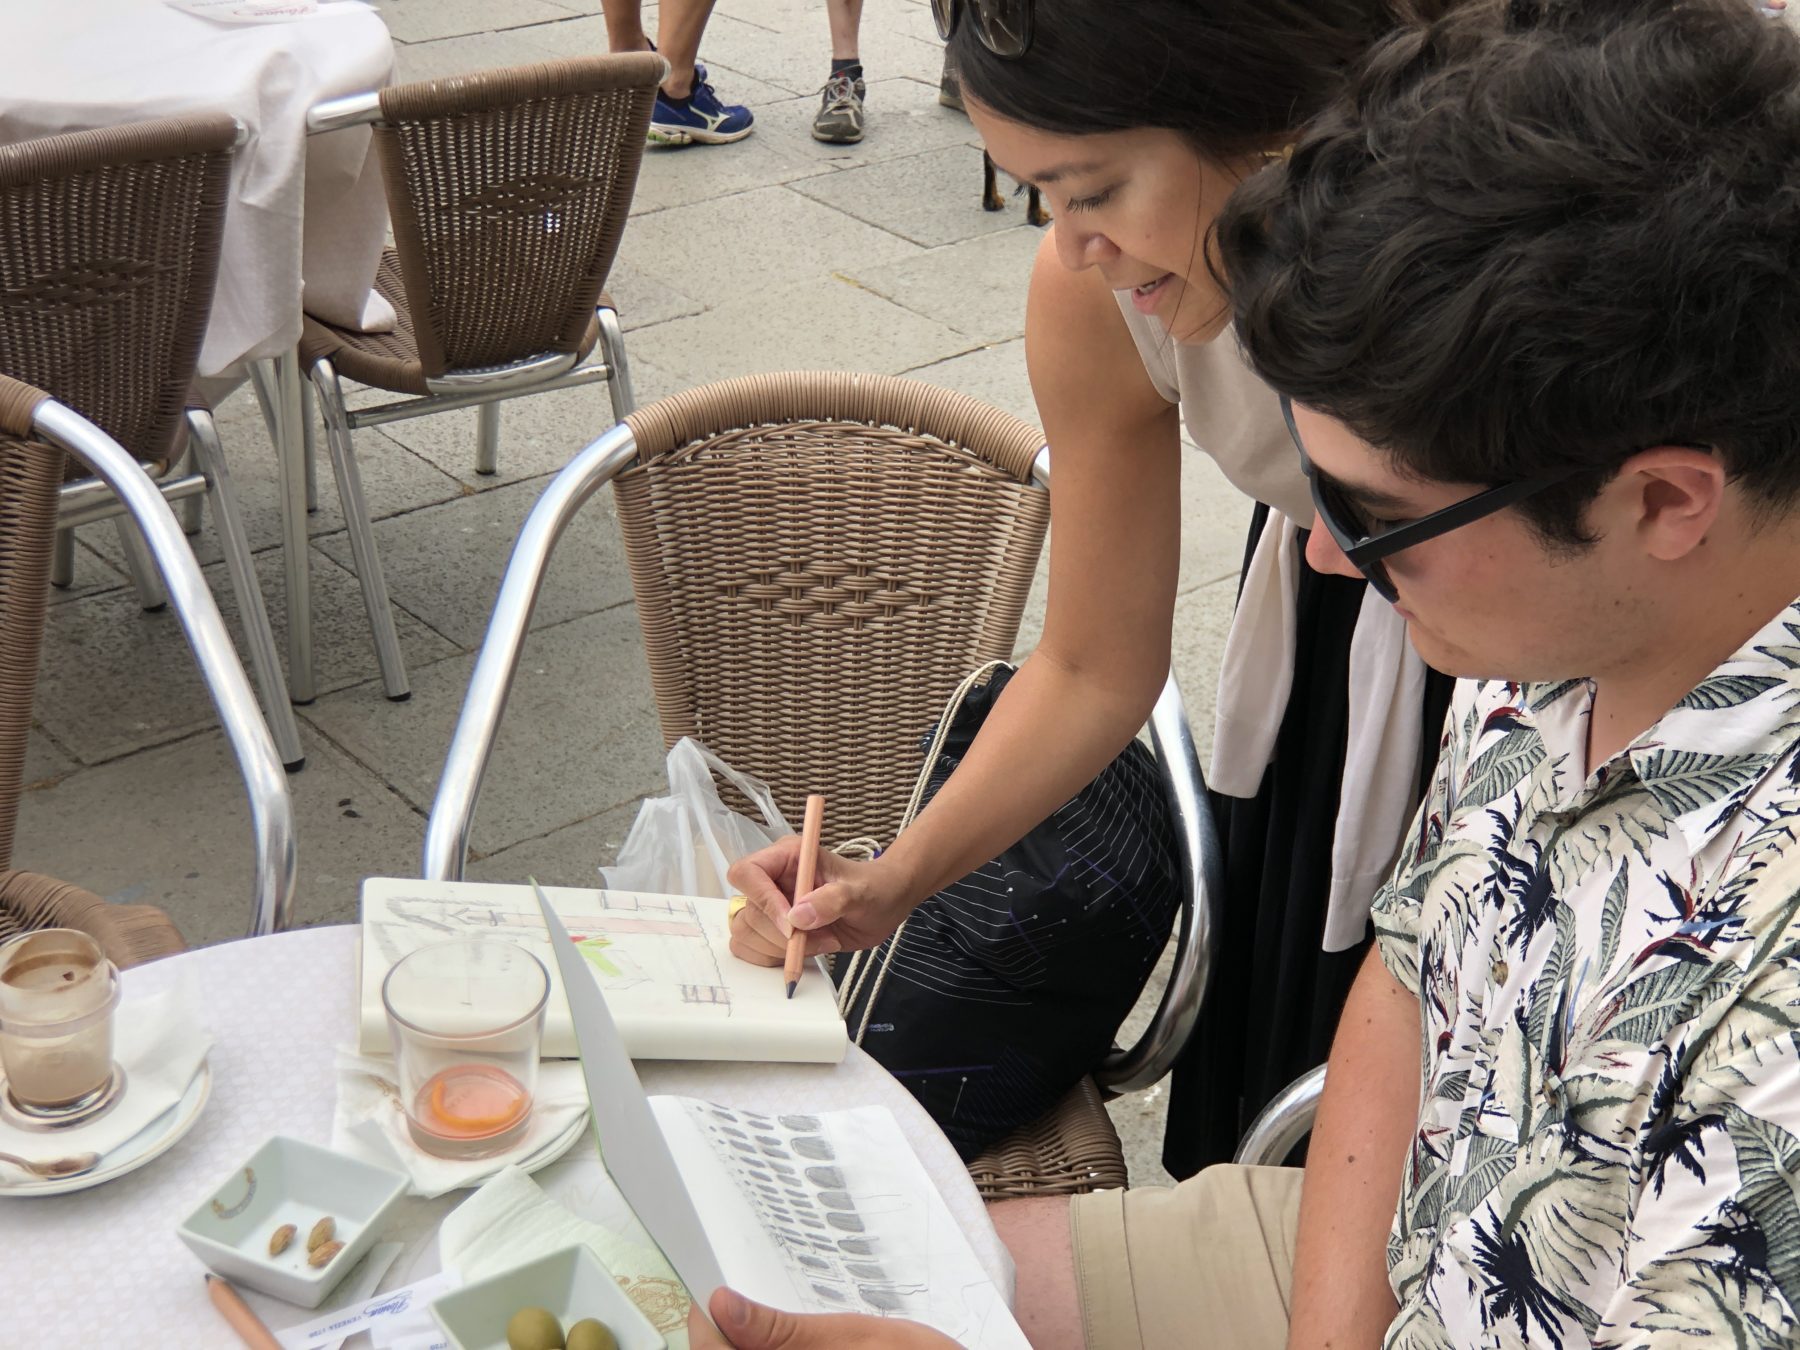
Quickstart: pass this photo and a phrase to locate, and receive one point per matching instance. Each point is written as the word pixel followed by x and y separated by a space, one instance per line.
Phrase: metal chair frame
pixel 481 388
pixel 465 766
pixel 271 807
pixel 1283 1123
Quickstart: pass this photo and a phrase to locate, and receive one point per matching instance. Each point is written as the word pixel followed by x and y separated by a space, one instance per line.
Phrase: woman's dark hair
pixel 1537 235
pixel 1233 76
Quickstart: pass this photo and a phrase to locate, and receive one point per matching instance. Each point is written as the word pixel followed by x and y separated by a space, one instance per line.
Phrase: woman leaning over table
pixel 1137 118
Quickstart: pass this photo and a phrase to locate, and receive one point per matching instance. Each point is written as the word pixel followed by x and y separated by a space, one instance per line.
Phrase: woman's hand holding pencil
pixel 839 906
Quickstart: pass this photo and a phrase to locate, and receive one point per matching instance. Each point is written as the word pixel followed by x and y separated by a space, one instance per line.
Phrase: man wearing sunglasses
pixel 1531 293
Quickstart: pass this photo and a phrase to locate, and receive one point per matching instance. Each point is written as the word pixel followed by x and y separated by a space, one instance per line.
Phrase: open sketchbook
pixel 663 961
pixel 825 1212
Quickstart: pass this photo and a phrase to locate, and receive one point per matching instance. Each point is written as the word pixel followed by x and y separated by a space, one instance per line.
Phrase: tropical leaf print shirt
pixel 1608 970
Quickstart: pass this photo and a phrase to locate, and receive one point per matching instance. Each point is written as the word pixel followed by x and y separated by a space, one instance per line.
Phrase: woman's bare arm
pixel 1096 673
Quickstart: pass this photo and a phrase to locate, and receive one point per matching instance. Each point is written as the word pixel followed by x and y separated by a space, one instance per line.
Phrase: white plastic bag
pixel 684 843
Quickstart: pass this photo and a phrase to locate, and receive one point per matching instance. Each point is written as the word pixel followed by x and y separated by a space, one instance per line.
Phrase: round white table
pixel 104 1266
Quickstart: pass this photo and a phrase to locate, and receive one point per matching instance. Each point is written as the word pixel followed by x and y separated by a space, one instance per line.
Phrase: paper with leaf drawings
pixel 664 962
pixel 811 1212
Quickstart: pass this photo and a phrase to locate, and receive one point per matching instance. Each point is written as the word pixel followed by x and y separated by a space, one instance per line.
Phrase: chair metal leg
pixel 309 442
pixel 278 390
pixel 259 638
pixel 612 347
pixel 62 560
pixel 487 438
pixel 362 534
pixel 187 511
pixel 142 567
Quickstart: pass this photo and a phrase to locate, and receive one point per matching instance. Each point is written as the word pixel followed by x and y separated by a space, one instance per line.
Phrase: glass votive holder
pixel 466 1019
pixel 58 993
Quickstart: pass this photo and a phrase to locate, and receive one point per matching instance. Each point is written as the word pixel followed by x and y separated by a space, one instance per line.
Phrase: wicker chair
pixel 106 281
pixel 508 191
pixel 36 436
pixel 817 560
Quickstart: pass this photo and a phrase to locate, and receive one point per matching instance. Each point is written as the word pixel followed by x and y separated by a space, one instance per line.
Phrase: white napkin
pixel 161 1043
pixel 369 1124
pixel 510 1221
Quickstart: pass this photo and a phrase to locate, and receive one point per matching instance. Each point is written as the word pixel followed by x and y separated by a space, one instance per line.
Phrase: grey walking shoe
pixel 840 116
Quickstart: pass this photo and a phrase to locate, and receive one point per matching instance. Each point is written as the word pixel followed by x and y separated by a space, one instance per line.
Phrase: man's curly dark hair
pixel 1543 233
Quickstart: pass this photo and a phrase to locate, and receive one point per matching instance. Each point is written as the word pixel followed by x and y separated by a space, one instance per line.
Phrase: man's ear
pixel 1672 495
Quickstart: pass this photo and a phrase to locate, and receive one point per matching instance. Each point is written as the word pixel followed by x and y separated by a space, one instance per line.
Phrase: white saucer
pixel 555 1148
pixel 148 1144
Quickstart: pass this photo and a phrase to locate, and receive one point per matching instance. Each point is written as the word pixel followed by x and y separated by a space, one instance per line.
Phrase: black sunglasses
pixel 1004 26
pixel 1366 547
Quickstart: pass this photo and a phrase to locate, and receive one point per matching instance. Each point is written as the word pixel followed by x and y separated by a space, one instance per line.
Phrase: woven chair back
pixel 106 276
pixel 508 192
pixel 30 474
pixel 818 560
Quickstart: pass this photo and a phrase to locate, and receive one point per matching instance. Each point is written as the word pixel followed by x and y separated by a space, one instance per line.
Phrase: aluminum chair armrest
pixel 1283 1123
pixel 352 110
pixel 459 786
pixel 1202 865
pixel 271 807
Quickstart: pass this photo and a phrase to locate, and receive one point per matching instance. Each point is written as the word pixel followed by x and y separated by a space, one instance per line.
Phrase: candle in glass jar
pixel 57 994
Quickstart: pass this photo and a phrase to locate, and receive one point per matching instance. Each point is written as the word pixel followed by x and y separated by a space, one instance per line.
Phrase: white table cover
pixel 104 1267
pixel 94 63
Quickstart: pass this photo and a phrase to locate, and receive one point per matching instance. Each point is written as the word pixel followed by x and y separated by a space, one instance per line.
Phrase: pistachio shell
pixel 322 1232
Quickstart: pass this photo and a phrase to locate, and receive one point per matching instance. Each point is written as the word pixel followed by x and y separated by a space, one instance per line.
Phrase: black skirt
pixel 1275 995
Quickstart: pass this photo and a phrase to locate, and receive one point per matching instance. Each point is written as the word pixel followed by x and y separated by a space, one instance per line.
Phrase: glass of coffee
pixel 58 993
pixel 466 1018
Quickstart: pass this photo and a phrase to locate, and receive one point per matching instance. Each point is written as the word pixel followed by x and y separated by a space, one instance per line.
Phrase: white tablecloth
pixel 104 1267
pixel 72 65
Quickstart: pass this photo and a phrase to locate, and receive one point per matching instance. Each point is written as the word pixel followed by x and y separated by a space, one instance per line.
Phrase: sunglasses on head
pixel 1366 543
pixel 1004 26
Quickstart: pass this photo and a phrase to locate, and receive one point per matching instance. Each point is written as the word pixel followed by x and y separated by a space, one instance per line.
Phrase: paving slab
pixel 468 52
pixel 93 573
pixel 114 679
pixel 744 245
pixel 1214 519
pixel 538 435
pixel 683 175
pixel 120 831
pixel 44 761
pixel 443 564
pixel 976 286
pixel 1202 618
pixel 424 20
pixel 643 298
pixel 580 735
pixel 565 857
pixel 994 373
pixel 825 323
pixel 902 117
pixel 932 198
pixel 800 64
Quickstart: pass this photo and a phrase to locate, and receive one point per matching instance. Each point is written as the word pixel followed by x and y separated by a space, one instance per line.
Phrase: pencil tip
pixel 792 985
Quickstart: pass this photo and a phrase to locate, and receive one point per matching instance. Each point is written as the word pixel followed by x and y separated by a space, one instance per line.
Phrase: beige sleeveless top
pixel 1229 413
pixel 1234 417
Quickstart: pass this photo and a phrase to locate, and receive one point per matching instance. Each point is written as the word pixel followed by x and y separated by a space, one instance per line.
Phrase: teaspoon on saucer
pixel 57 1168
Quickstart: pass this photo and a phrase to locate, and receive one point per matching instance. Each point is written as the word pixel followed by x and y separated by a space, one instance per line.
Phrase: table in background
pixel 104 1266
pixel 300 209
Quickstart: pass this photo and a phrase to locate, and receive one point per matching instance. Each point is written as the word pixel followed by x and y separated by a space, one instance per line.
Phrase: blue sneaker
pixel 698 117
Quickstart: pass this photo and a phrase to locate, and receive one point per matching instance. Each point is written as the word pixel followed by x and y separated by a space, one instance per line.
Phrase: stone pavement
pixel 775 253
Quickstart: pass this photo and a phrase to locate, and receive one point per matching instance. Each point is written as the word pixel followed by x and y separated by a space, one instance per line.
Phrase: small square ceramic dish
pixel 571 1284
pixel 289 1182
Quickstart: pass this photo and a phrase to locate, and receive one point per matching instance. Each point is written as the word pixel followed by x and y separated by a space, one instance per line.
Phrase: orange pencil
pixel 803 882
pixel 247 1324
